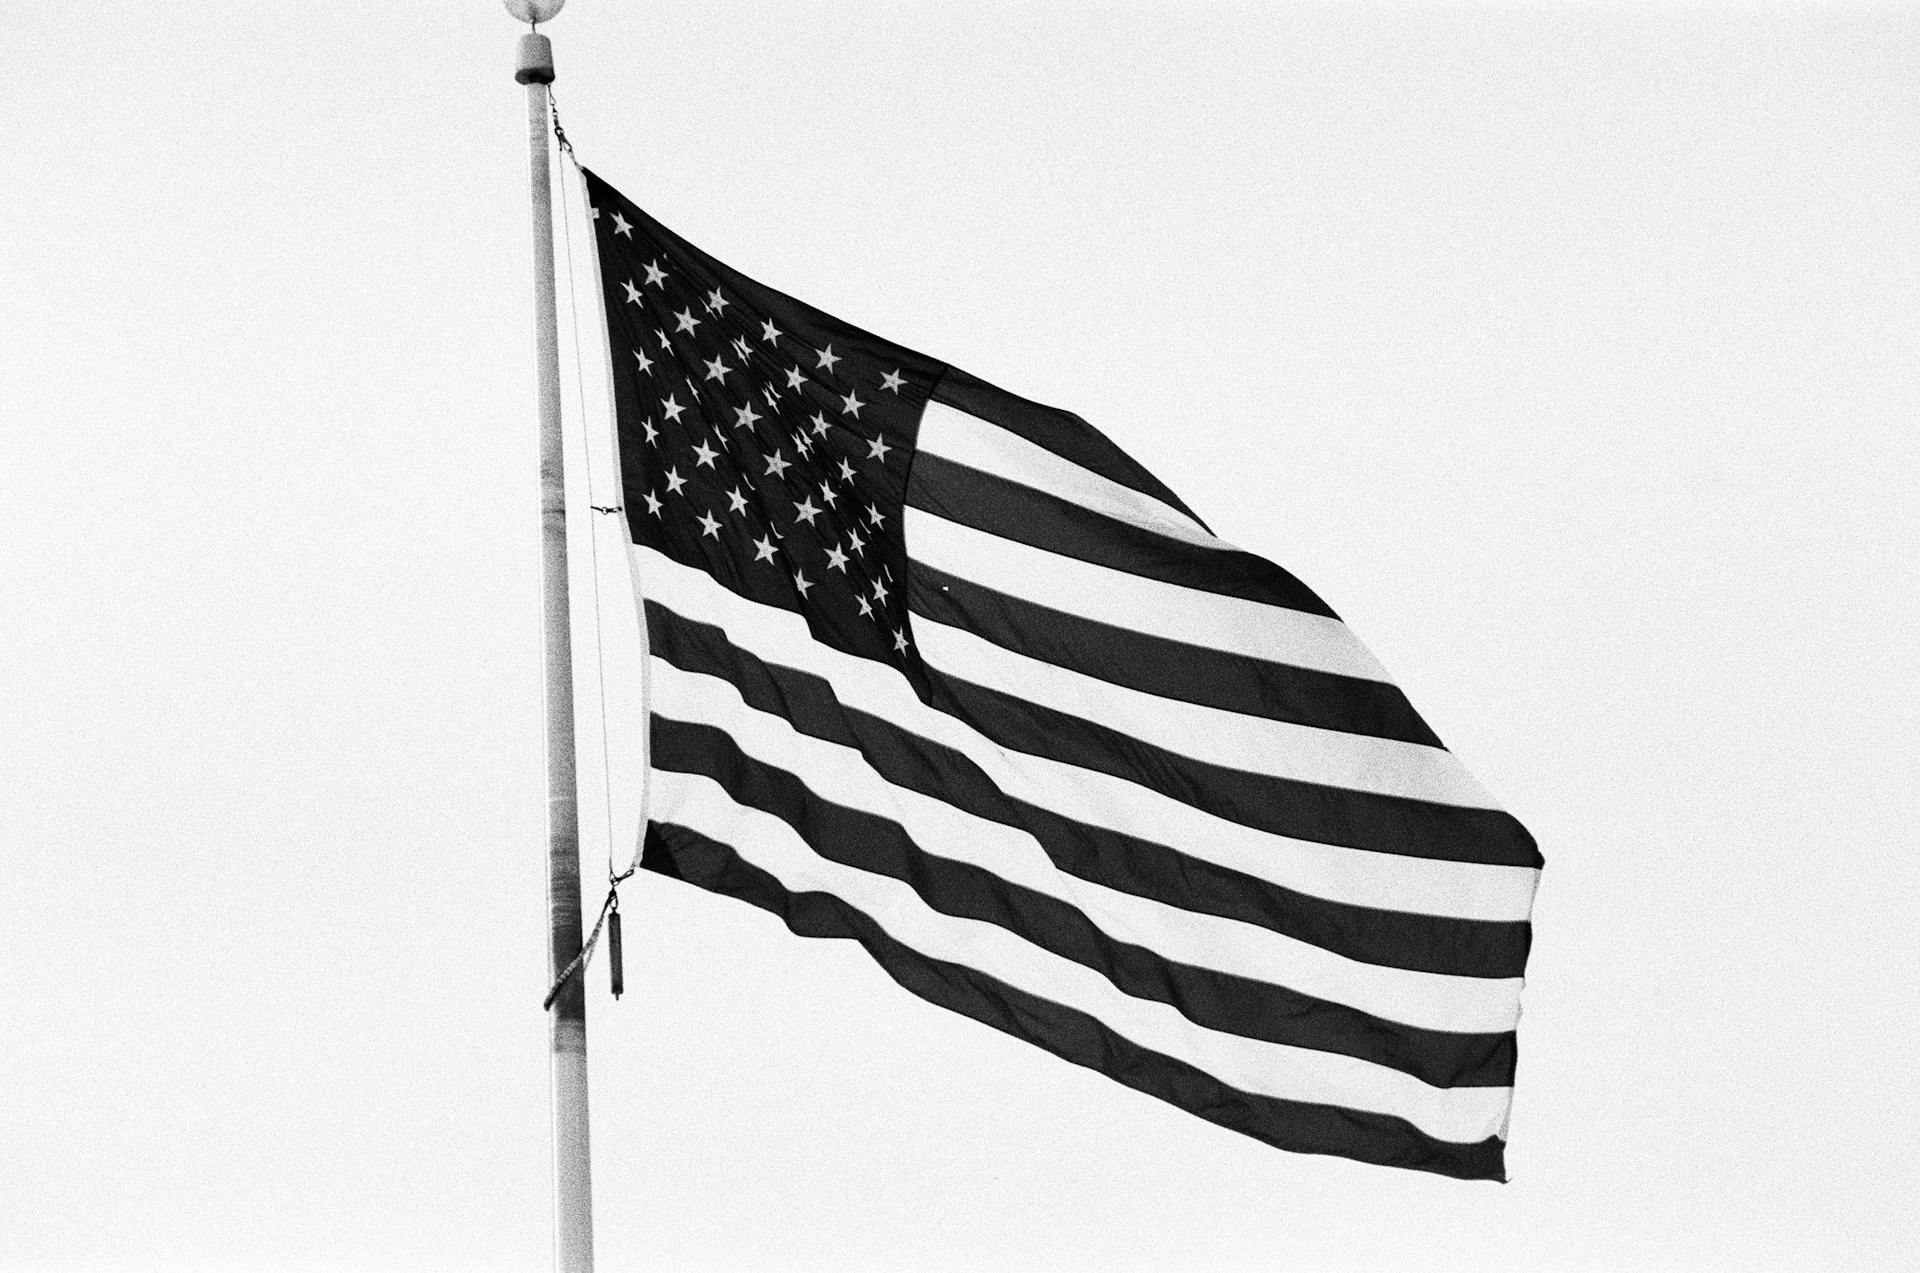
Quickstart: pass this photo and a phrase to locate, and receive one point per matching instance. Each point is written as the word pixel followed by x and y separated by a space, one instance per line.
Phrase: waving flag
pixel 945 672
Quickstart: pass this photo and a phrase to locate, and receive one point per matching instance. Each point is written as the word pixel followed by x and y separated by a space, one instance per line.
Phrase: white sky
pixel 1569 353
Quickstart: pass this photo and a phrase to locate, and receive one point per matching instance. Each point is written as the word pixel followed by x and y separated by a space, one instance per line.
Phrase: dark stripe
pixel 1013 511
pixel 1298 1126
pixel 1284 806
pixel 1062 432
pixel 1208 997
pixel 1169 669
pixel 1131 863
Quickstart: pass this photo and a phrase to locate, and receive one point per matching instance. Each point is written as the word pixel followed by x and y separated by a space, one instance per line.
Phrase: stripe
pixel 1463 1115
pixel 1126 863
pixel 1155 607
pixel 1391 882
pixel 1280 806
pixel 1170 669
pixel 1207 996
pixel 967 440
pixel 1235 740
pixel 682 853
pixel 840 774
pixel 1042 519
pixel 1061 432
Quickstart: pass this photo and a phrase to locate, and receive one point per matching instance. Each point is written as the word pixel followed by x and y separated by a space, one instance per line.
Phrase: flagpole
pixel 567 1019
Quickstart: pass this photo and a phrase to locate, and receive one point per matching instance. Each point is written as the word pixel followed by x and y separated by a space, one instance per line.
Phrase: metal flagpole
pixel 567 1018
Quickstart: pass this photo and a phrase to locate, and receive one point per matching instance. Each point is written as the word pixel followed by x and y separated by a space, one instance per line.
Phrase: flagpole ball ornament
pixel 535 11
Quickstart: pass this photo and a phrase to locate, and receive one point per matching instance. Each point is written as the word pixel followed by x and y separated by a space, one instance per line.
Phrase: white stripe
pixel 1173 611
pixel 1280 749
pixel 1463 1115
pixel 966 439
pixel 840 774
pixel 1384 881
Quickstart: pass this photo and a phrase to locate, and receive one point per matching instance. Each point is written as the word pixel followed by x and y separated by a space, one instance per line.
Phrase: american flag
pixel 943 671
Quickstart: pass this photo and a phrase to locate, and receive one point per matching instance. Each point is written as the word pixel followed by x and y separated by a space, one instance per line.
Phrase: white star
pixel 687 321
pixel 674 481
pixel 673 410
pixel 777 465
pixel 899 640
pixel 865 609
pixel 620 226
pixel 769 333
pixel 763 549
pixel 795 377
pixel 706 454
pixel 851 406
pixel 664 342
pixel 741 349
pixel 745 416
pixel 891 381
pixel 646 363
pixel 837 559
pixel 736 501
pixel 879 593
pixel 801 582
pixel 828 358
pixel 802 445
pixel 846 471
pixel 820 425
pixel 655 275
pixel 709 525
pixel 633 293
pixel 653 503
pixel 715 301
pixel 717 370
pixel 859 544
pixel 653 434
pixel 877 450
pixel 826 493
pixel 873 515
pixel 805 511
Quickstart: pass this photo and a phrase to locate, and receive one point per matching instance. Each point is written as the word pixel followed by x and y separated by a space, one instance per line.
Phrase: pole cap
pixel 536 59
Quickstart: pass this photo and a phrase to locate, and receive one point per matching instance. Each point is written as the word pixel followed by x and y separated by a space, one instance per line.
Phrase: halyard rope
pixel 593 527
pixel 612 905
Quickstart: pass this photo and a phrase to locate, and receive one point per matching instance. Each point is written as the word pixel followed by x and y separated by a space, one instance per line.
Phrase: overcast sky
pixel 1570 353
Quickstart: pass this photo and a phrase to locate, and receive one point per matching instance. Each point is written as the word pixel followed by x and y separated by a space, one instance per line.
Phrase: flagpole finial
pixel 534 12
